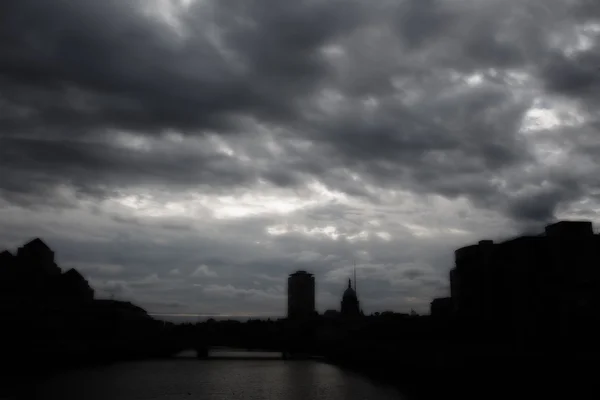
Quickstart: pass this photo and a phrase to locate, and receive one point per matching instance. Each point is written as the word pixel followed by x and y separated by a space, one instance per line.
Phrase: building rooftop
pixel 564 229
pixel 349 293
pixel 119 305
pixel 36 243
pixel 571 223
pixel 570 228
pixel 297 273
pixel 73 274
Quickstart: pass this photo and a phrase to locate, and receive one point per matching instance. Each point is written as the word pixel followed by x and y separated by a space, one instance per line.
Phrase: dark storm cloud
pixel 577 76
pixel 99 168
pixel 109 66
pixel 91 65
pixel 412 16
pixel 83 65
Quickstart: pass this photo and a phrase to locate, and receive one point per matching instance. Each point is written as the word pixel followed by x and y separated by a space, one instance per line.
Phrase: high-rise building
pixel 301 295
pixel 532 288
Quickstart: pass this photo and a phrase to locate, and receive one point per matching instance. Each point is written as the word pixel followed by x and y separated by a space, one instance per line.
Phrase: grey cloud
pixel 242 74
pixel 413 273
pixel 98 270
pixel 378 102
pixel 413 15
pixel 148 281
pixel 577 76
pixel 109 66
pixel 102 168
pixel 204 271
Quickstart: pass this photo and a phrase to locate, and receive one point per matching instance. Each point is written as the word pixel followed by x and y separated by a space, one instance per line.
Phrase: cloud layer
pixel 190 154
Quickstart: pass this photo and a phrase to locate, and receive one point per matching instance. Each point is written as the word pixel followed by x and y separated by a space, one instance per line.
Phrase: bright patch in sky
pixel 146 206
pixel 246 204
pixel 328 231
pixel 229 207
pixel 425 231
pixel 583 39
pixel 132 141
pixel 544 128
pixel 474 79
pixel 362 235
pixel 537 119
pixel 384 235
pixel 168 12
pixel 221 145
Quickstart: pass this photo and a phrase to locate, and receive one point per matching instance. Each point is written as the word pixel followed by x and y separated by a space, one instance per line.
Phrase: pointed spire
pixel 349 283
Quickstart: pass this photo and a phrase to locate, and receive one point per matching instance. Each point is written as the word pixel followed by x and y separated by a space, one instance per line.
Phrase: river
pixel 188 378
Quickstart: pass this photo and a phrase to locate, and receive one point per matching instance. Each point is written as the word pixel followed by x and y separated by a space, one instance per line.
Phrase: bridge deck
pixel 238 354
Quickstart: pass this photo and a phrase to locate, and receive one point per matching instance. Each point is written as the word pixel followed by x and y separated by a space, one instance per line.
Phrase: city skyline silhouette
pixel 167 167
pixel 552 275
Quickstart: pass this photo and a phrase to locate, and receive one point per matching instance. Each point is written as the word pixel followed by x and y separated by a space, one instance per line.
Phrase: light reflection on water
pixel 188 378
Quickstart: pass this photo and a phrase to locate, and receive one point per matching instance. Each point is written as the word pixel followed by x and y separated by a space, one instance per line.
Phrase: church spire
pixel 349 283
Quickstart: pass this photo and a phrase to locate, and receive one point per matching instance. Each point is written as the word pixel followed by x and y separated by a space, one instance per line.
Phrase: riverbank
pixel 32 365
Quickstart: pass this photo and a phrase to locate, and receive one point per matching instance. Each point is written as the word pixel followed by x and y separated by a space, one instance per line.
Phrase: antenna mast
pixel 355 276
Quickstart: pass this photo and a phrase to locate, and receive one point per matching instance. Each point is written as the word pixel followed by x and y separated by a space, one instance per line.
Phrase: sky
pixel 189 155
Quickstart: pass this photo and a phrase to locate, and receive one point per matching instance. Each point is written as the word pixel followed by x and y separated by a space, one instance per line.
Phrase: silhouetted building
pixel 75 287
pixel 441 307
pixel 468 278
pixel 350 304
pixel 8 276
pixel 7 263
pixel 38 257
pixel 122 309
pixel 531 288
pixel 6 258
pixel 52 317
pixel 570 230
pixel 301 295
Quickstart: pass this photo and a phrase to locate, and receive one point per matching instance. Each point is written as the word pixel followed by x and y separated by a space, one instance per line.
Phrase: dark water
pixel 187 378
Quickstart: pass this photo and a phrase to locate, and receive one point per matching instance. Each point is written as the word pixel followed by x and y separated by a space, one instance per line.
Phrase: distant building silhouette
pixel 7 263
pixel 8 275
pixel 331 314
pixel 301 295
pixel 441 307
pixel 6 258
pixel 350 304
pixel 52 318
pixel 75 287
pixel 37 255
pixel 122 309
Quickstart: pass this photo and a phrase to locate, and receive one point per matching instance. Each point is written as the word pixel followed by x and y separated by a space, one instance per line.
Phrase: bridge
pixel 256 341
pixel 230 353
pixel 281 339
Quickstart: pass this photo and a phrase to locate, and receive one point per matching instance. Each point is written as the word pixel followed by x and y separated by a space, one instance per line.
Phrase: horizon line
pixel 213 315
